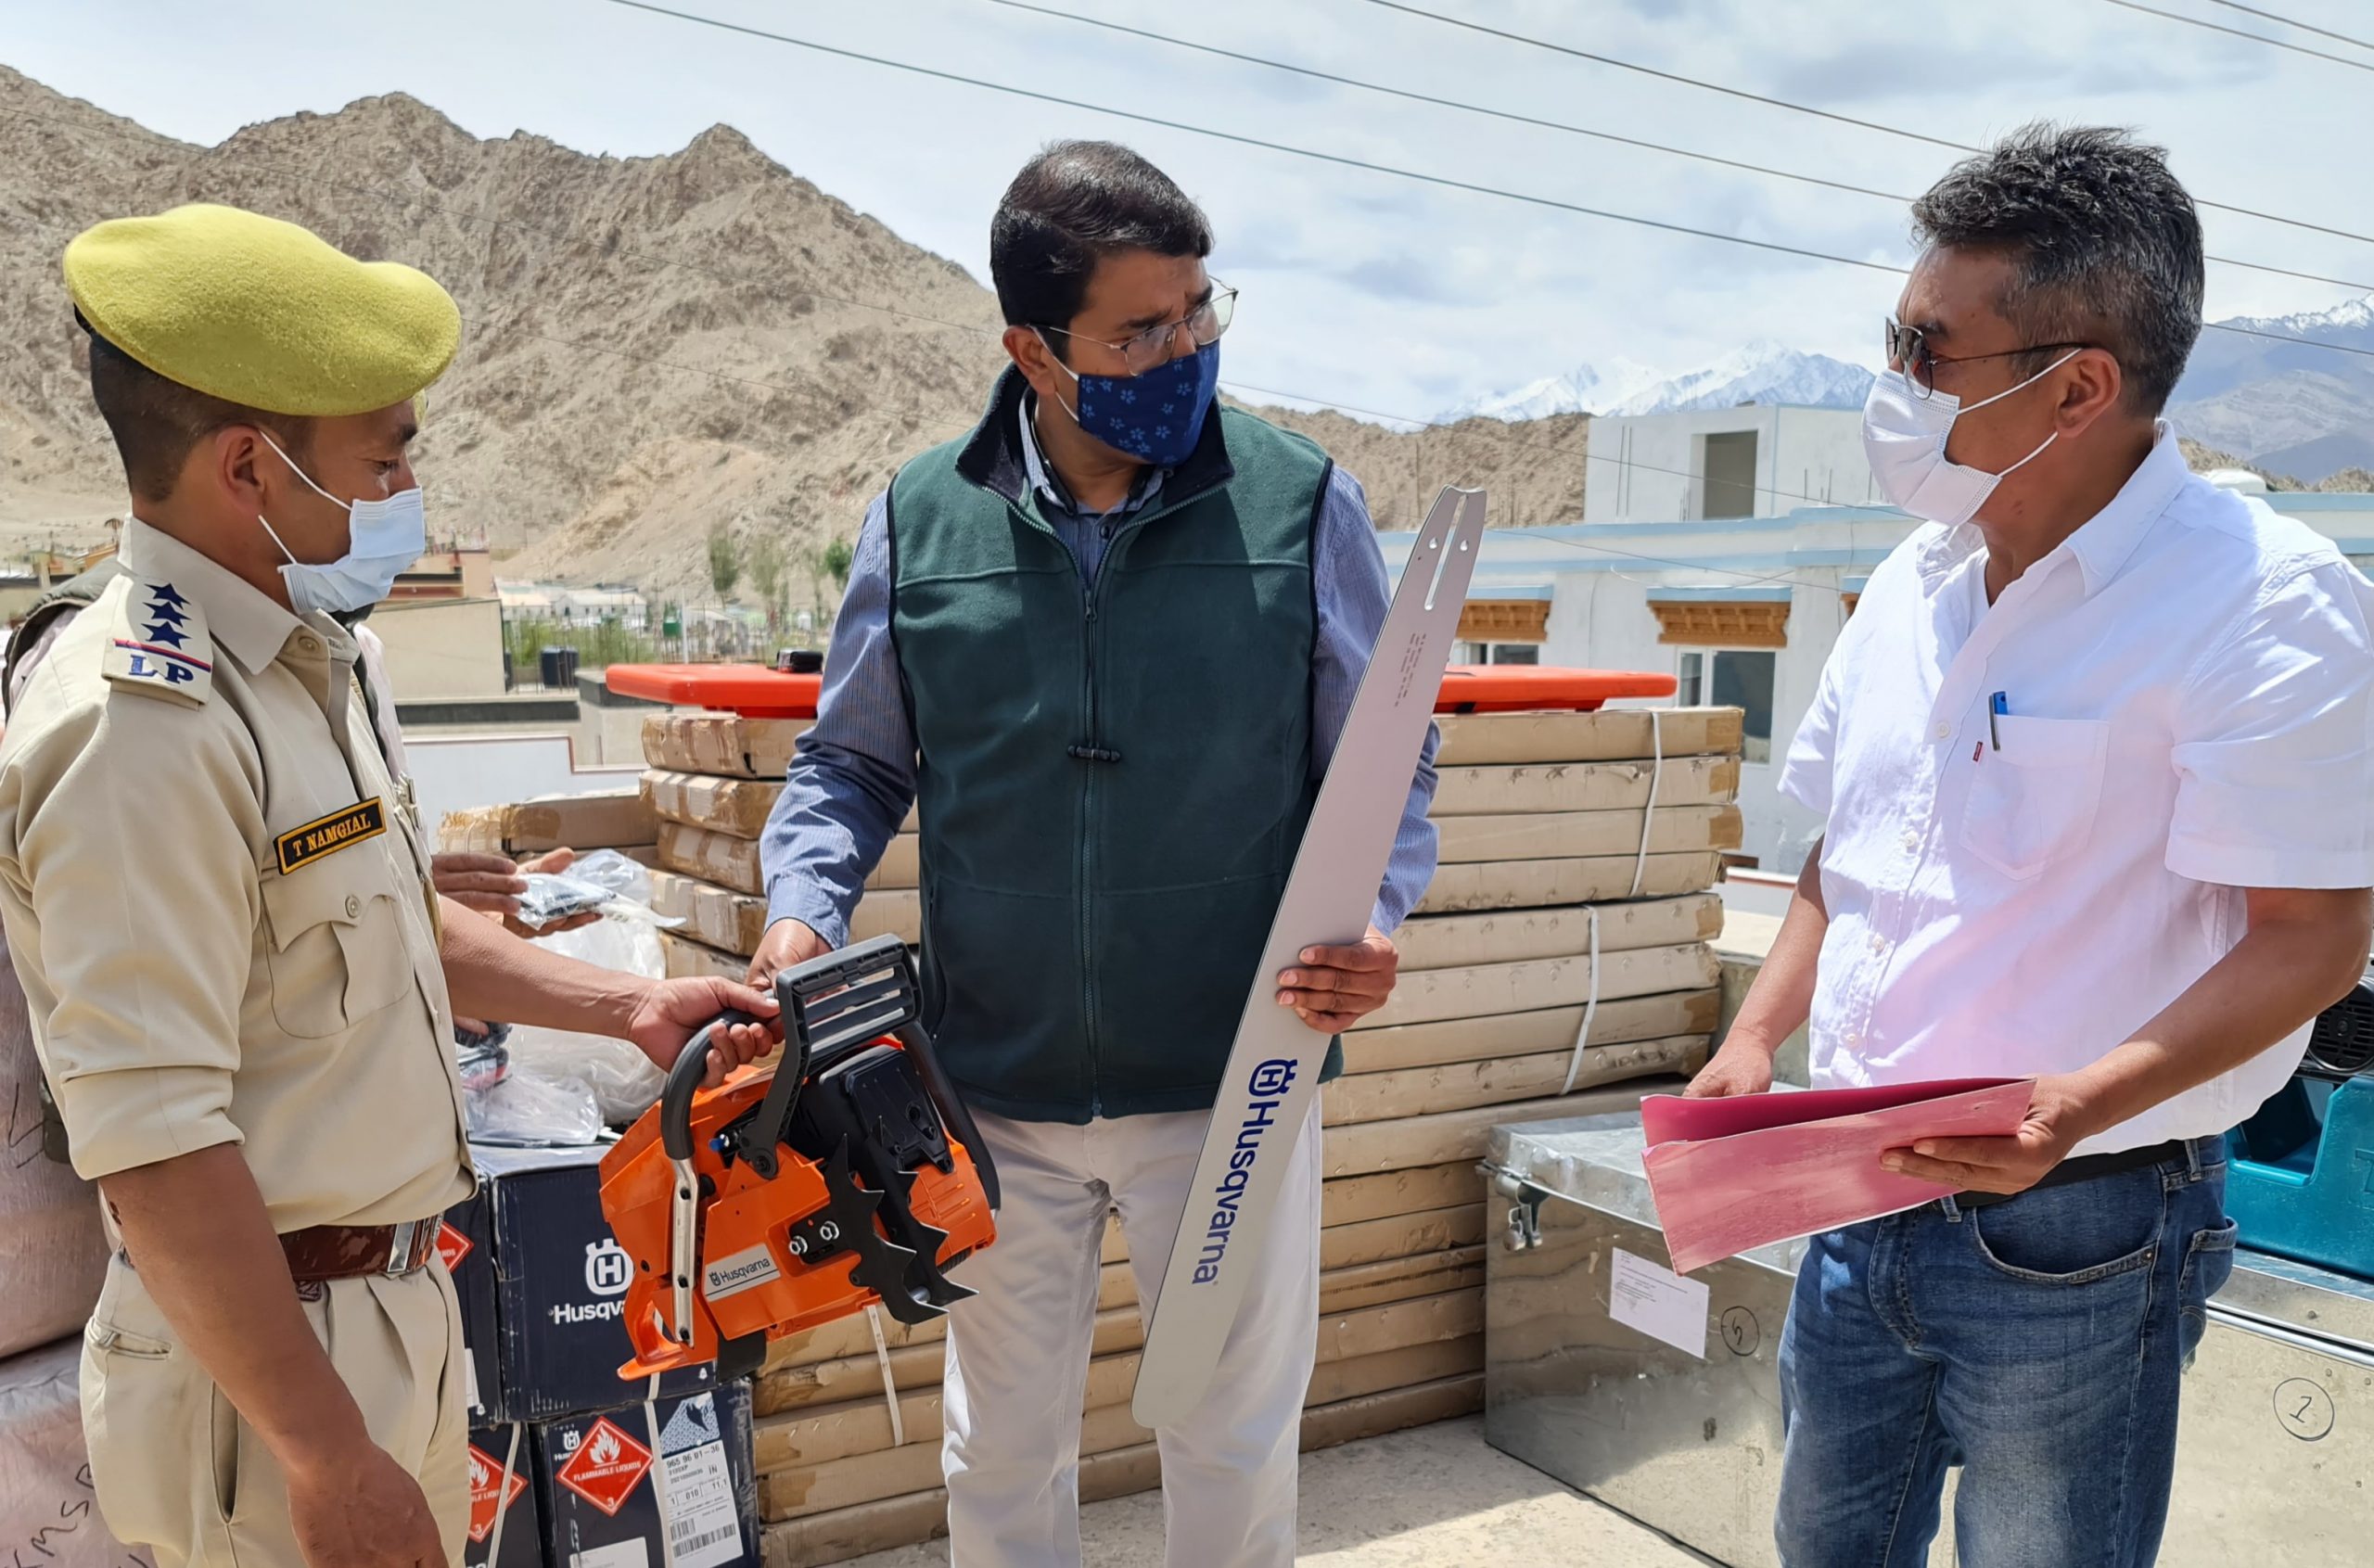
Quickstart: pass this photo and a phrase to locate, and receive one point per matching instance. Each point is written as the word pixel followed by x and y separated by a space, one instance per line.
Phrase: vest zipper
pixel 1091 591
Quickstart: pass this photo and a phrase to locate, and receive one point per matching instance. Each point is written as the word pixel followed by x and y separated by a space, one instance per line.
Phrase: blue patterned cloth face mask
pixel 1155 417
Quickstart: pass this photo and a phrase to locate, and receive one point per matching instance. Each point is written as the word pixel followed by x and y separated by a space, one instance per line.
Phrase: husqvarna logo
pixel 607 1267
pixel 1264 1088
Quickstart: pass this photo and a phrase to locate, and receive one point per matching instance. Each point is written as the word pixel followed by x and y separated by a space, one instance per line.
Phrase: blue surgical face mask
pixel 384 538
pixel 1155 417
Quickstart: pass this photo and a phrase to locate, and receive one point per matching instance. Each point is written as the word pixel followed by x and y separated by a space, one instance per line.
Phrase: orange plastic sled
pixel 754 691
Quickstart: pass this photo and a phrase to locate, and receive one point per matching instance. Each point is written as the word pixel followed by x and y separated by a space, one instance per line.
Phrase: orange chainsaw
pixel 847 1174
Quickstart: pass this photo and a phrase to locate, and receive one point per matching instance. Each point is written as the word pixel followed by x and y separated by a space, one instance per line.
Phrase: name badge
pixel 300 847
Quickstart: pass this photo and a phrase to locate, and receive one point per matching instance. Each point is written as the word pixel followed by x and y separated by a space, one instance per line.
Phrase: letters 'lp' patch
pixel 300 847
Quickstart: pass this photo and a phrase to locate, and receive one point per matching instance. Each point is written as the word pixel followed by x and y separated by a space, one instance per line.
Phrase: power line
pixel 1443 103
pixel 1312 153
pixel 2304 27
pixel 1802 109
pixel 2238 32
pixel 1329 157
pixel 1538 123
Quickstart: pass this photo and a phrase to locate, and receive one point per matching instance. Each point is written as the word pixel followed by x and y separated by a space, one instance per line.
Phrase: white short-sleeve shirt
pixel 2188 693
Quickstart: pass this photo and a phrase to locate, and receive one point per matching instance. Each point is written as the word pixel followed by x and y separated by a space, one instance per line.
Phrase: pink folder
pixel 1731 1175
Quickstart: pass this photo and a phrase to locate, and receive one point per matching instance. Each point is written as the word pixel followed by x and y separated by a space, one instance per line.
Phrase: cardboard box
pixel 541 1284
pixel 505 1531
pixel 599 1477
pixel 614 818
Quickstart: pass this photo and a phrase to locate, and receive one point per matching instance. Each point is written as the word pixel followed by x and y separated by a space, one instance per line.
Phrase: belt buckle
pixel 403 1239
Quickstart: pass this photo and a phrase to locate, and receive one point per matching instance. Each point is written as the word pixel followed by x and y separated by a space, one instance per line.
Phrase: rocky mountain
pixel 2296 410
pixel 652 345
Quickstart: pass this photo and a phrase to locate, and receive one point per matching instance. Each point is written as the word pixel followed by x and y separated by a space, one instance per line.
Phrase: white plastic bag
pixel 623 1081
pixel 603 880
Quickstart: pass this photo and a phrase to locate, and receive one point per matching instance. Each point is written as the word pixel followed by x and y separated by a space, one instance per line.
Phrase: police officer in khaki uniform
pixel 240 980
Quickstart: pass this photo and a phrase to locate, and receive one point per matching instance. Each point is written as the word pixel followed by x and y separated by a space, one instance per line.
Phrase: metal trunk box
pixel 2276 1445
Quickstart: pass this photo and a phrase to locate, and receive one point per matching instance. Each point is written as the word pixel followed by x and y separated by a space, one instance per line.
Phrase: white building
pixel 1742 610
pixel 1755 461
pixel 589 607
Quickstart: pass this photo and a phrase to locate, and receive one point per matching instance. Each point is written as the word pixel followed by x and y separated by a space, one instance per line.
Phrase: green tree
pixel 724 561
pixel 767 565
pixel 837 559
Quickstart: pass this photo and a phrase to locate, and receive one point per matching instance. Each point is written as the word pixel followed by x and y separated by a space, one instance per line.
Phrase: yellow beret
pixel 262 313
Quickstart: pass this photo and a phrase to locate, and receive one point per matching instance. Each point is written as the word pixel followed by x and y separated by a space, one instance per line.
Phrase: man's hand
pixel 1743 1066
pixel 671 1012
pixel 2059 1119
pixel 491 885
pixel 1334 987
pixel 787 945
pixel 362 1510
pixel 488 884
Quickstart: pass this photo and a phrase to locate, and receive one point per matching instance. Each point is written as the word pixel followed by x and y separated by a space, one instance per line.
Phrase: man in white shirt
pixel 2093 754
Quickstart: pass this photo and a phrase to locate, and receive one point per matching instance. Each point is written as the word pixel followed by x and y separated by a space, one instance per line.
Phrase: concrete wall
pixel 1652 468
pixel 442 648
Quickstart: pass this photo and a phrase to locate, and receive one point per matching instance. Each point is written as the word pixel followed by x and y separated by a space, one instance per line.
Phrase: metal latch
pixel 1523 1233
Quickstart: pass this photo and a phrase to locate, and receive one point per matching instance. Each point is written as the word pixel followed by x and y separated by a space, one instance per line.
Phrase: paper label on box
pixel 703 1528
pixel 1658 1302
pixel 626 1554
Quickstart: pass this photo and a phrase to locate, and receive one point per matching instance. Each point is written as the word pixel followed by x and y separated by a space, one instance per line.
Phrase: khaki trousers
pixel 177 1471
pixel 1017 1353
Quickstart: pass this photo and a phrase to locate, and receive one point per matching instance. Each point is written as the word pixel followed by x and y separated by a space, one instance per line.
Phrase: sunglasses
pixel 1909 353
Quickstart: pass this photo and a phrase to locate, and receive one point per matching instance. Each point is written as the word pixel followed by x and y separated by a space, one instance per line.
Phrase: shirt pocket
pixel 2034 801
pixel 338 944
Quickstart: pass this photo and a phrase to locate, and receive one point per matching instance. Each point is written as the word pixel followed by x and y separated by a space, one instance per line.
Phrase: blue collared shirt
pixel 854 777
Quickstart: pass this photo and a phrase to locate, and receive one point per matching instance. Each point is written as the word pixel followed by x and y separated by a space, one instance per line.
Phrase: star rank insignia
pixel 159 644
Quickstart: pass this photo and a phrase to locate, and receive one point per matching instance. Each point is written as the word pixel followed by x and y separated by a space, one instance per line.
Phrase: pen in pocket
pixel 1998 707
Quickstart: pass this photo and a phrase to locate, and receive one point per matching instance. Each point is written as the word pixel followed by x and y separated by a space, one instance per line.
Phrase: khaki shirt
pixel 219 903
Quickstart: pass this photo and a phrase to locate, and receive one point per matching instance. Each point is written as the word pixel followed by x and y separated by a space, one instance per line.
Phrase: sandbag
pixel 53 1253
pixel 48 1513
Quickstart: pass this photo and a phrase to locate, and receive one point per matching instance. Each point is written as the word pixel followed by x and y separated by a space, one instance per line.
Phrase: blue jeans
pixel 2037 1343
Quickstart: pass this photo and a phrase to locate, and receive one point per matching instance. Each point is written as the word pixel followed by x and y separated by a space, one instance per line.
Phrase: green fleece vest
pixel 1113 778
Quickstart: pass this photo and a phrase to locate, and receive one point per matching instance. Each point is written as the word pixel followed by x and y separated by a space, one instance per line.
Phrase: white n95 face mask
pixel 1904 436
pixel 384 538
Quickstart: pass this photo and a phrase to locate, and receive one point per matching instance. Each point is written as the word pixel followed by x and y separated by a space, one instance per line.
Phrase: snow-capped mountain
pixel 1585 390
pixel 1762 372
pixel 2293 408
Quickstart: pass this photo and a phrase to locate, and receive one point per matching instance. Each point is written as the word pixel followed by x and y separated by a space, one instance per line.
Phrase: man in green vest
pixel 1107 641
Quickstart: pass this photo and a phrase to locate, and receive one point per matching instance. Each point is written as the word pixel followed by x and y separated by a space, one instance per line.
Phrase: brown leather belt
pixel 355 1251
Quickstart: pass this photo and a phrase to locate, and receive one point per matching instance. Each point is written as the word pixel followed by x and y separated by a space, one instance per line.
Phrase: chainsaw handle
pixel 952 1109
pixel 684 1081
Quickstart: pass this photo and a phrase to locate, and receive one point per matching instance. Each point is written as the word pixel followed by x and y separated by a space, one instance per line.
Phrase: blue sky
pixel 1358 287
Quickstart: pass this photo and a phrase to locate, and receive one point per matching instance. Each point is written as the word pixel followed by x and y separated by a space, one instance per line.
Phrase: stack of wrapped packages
pixel 1562 950
pixel 712 780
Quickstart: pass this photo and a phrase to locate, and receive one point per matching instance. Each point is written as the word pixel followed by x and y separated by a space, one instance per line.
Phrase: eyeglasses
pixel 1151 346
pixel 1909 351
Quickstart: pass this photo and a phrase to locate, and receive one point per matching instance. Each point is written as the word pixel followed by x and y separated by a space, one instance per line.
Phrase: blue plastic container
pixel 2300 1178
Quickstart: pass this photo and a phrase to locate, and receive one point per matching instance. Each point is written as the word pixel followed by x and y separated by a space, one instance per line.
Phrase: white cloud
pixel 1358 287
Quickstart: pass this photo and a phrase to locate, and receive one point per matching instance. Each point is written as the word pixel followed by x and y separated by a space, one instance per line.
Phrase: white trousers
pixel 1017 1353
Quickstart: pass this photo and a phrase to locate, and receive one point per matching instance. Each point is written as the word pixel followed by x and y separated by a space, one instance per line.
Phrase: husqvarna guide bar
pixel 1273 1068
